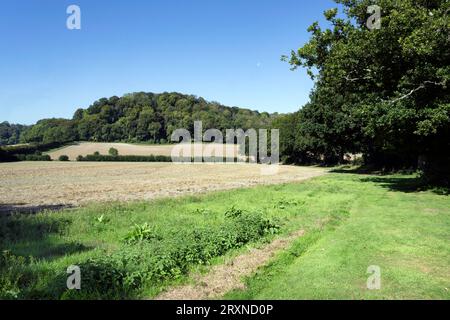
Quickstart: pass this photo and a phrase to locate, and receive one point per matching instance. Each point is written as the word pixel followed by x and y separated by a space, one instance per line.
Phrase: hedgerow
pixel 149 258
pixel 146 257
pixel 151 158
pixel 109 158
pixel 27 152
pixel 33 157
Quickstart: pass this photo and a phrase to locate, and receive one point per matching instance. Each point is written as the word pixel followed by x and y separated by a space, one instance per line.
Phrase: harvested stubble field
pixel 126 149
pixel 33 185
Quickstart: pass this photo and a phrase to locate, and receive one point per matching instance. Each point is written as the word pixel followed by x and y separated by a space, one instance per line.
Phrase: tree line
pixel 382 93
pixel 10 133
pixel 136 117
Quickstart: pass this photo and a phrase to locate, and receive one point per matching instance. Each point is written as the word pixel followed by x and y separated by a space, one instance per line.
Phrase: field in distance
pixel 125 149
pixel 28 184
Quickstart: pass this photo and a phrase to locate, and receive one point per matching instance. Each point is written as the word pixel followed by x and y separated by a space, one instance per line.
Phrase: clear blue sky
pixel 223 50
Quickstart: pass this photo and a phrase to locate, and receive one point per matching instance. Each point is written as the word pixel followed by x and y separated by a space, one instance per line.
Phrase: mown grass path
pixel 403 231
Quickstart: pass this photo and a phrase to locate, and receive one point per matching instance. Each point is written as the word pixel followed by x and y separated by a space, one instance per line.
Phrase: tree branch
pixel 420 87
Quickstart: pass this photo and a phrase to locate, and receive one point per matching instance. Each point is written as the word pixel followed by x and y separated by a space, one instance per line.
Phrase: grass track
pixel 406 234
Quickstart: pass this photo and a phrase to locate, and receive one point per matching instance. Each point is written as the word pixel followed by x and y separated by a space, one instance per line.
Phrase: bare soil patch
pixel 226 277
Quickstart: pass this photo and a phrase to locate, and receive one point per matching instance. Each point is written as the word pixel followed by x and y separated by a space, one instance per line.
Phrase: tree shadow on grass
pixel 407 183
pixel 38 236
pixel 19 208
pixel 49 249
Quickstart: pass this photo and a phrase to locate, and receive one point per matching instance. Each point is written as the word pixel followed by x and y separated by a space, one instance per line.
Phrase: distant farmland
pixel 126 149
pixel 34 184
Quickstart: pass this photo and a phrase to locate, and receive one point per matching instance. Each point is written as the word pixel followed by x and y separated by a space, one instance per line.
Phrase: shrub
pixel 123 273
pixel 80 158
pixel 10 269
pixel 141 233
pixel 104 277
pixel 233 212
pixel 146 259
pixel 63 158
pixel 113 152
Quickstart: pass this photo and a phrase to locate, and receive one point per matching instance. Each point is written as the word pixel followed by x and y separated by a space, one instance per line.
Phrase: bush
pixel 63 158
pixel 10 269
pixel 141 233
pixel 113 152
pixel 148 258
pixel 80 158
pixel 233 212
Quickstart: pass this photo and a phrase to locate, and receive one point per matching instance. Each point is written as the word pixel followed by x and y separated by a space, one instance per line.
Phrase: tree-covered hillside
pixel 145 117
pixel 10 133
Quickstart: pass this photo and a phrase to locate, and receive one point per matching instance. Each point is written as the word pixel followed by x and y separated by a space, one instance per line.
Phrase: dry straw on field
pixel 77 183
pixel 125 149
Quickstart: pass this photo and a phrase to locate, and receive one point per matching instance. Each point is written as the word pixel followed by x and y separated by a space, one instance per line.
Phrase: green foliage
pixel 151 258
pixel 233 212
pixel 11 269
pixel 102 219
pixel 96 157
pixel 113 152
pixel 140 233
pixel 11 133
pixel 383 92
pixel 143 117
pixel 27 152
pixel 30 148
pixel 109 158
pixel 33 157
pixel 51 131
pixel 144 256
pixel 63 157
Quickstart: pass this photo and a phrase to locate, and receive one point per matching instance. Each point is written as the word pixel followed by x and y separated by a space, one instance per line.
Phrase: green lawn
pixel 405 233
pixel 351 222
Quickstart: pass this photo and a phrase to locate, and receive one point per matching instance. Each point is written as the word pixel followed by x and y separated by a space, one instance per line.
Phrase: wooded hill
pixel 136 117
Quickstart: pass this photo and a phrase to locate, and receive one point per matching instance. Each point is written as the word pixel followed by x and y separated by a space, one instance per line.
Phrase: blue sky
pixel 223 50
